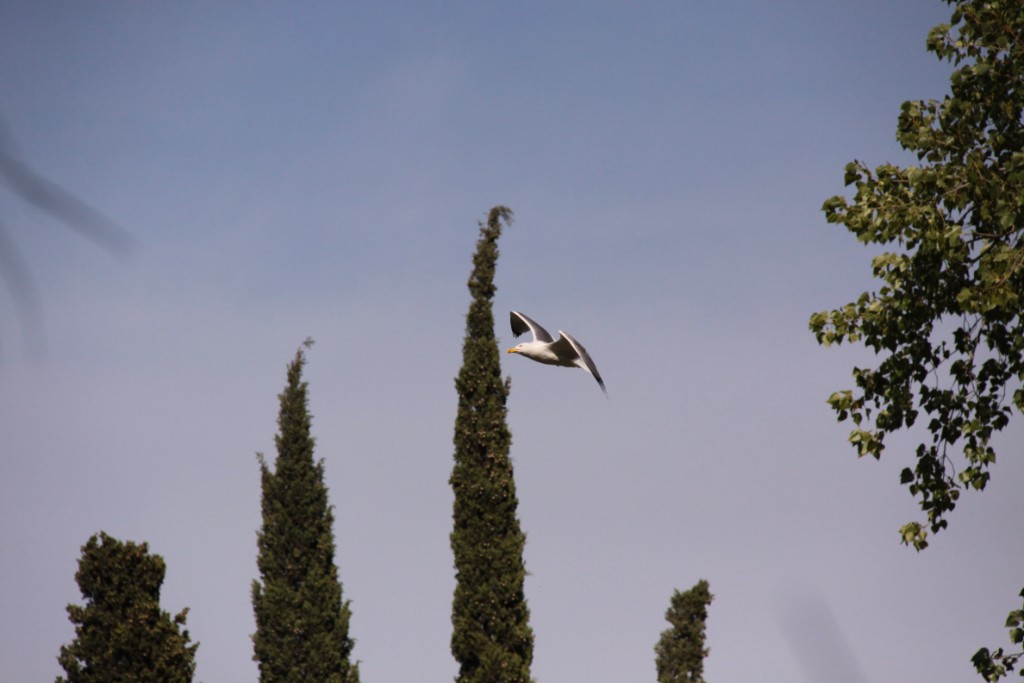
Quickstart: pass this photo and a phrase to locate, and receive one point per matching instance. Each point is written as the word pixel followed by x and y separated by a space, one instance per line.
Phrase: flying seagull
pixel 566 351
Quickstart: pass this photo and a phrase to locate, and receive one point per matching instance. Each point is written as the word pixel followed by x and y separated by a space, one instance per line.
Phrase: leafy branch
pixel 947 322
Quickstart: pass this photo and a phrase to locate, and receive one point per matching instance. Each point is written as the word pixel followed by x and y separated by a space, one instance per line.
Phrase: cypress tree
pixel 301 620
pixel 121 634
pixel 491 637
pixel 680 651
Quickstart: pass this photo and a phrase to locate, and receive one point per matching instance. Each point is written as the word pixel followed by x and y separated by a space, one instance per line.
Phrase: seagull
pixel 565 352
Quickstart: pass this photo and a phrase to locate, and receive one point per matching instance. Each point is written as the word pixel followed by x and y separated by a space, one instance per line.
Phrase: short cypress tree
pixel 121 634
pixel 680 651
pixel 301 620
pixel 491 637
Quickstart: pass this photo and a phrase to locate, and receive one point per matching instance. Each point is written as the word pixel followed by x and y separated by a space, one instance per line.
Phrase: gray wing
pixel 521 324
pixel 582 359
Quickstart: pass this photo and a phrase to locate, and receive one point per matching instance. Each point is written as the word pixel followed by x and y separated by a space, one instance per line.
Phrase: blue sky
pixel 318 169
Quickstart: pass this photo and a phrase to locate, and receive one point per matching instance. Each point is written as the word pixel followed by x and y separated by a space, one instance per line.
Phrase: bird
pixel 565 352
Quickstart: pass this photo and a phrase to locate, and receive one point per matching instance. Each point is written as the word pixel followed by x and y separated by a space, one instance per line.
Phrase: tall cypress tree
pixel 301 620
pixel 680 651
pixel 121 634
pixel 491 637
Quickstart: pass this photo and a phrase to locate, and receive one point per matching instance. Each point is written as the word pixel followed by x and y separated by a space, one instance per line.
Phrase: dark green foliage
pixel 994 665
pixel 680 652
pixel 301 620
pixel 491 637
pixel 948 317
pixel 121 634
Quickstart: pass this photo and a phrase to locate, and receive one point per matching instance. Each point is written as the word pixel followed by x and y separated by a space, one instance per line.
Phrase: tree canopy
pixel 121 634
pixel 947 318
pixel 680 651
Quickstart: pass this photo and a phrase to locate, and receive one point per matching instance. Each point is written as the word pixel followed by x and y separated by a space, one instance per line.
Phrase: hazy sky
pixel 318 169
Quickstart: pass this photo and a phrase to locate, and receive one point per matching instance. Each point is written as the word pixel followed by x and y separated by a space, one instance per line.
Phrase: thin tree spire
pixel 491 636
pixel 301 619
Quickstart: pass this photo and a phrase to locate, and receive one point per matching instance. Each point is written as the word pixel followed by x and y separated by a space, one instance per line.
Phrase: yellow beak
pixel 512 350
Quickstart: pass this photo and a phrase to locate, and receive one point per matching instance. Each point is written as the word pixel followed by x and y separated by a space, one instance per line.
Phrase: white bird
pixel 565 352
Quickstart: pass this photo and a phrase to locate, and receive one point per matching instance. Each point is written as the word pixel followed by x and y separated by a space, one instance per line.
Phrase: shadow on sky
pixel 49 197
pixel 816 639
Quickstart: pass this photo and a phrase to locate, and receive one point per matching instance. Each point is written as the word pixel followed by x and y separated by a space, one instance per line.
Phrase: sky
pixel 319 169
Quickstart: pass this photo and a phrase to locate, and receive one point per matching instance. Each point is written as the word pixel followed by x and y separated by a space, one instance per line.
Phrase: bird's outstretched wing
pixel 566 346
pixel 521 324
